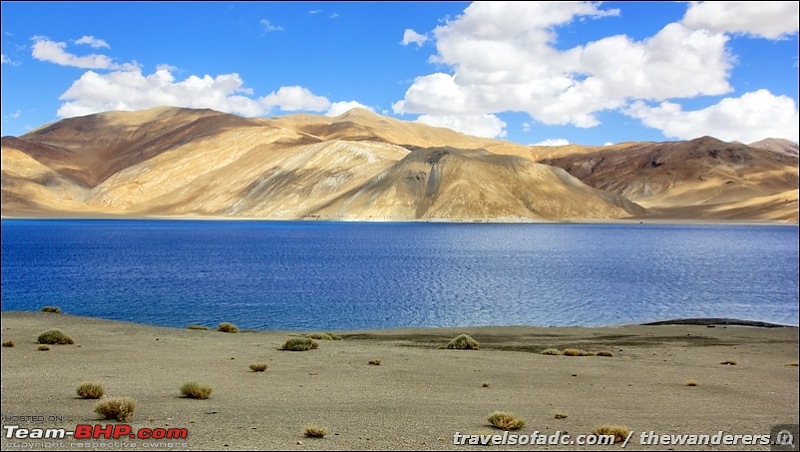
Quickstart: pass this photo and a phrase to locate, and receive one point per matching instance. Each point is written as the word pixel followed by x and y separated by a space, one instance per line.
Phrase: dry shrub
pixel 116 408
pixel 728 362
pixel 199 327
pixel 551 351
pixel 605 353
pixel 791 364
pixel 560 415
pixel 42 348
pixel 227 327
pixel 315 431
pixel 323 336
pixel 574 352
pixel 620 432
pixel 691 383
pixel 463 342
pixel 375 362
pixel 51 309
pixel 194 390
pixel 54 336
pixel 8 344
pixel 506 421
pixel 486 384
pixel 258 367
pixel 90 390
pixel 299 344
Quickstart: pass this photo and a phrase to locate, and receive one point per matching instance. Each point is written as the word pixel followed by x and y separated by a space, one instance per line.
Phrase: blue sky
pixel 528 72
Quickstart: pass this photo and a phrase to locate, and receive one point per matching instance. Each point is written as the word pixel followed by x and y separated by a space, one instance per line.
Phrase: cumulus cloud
pixel 552 142
pixel 752 117
pixel 771 20
pixel 50 51
pixel 269 26
pixel 93 42
pixel 503 57
pixel 132 90
pixel 295 98
pixel 337 108
pixel 412 37
pixel 486 125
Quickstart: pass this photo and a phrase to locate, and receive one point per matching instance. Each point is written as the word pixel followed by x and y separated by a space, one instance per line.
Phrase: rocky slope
pixel 362 166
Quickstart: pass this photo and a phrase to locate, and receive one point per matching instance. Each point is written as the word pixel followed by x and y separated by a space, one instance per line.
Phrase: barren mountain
pixel 778 145
pixel 175 162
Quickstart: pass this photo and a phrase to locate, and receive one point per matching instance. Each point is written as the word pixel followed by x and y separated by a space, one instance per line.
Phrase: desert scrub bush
pixel 227 327
pixel 8 343
pixel 258 367
pixel 42 348
pixel 315 431
pixel 728 362
pixel 194 390
pixel 463 342
pixel 605 353
pixel 620 432
pixel 551 351
pixel 54 336
pixel 51 309
pixel 116 408
pixel 560 415
pixel 198 327
pixel 573 352
pixel 299 344
pixel 691 383
pixel 323 336
pixel 90 390
pixel 506 421
pixel 375 362
pixel 486 384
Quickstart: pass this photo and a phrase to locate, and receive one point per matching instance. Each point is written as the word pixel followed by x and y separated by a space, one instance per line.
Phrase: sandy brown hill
pixel 448 183
pixel 91 148
pixel 700 178
pixel 360 165
pixel 778 145
pixel 359 124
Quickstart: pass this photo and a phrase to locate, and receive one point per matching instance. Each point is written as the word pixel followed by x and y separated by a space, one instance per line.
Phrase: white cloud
pixel 295 98
pixel 337 108
pixel 54 52
pixel 771 20
pixel 500 57
pixel 93 42
pixel 269 26
pixel 552 142
pixel 753 116
pixel 5 59
pixel 503 58
pixel 526 127
pixel 488 126
pixel 315 11
pixel 412 37
pixel 131 90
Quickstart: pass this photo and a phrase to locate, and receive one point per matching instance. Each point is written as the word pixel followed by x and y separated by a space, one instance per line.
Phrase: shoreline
pixel 617 221
pixel 694 321
pixel 418 396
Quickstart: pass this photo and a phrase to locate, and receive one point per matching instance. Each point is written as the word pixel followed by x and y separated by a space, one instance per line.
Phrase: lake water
pixel 344 276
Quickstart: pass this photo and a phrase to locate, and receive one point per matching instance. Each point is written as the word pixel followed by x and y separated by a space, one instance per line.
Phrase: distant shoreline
pixel 694 321
pixel 632 221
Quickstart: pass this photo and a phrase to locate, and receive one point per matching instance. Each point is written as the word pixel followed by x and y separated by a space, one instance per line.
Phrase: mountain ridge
pixel 171 161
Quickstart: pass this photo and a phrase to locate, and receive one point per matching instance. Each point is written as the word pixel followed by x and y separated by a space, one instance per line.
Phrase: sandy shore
pixel 418 396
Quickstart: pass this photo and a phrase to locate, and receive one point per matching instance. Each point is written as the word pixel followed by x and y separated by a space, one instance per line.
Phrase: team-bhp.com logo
pixel 97 431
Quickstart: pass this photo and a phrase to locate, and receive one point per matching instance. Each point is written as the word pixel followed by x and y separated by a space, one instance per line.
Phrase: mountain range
pixel 177 162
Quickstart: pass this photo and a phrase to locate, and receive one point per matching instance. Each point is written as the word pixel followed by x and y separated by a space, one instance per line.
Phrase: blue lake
pixel 344 276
